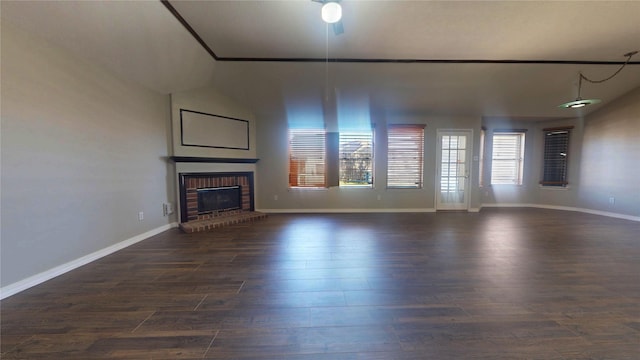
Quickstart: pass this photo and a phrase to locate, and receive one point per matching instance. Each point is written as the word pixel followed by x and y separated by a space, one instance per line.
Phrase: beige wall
pixel 82 153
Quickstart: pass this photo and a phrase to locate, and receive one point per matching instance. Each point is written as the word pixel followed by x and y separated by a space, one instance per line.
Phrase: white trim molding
pixel 565 208
pixel 37 279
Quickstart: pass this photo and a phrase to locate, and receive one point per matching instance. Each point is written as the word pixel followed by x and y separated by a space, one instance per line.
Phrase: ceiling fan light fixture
pixel 578 103
pixel 331 12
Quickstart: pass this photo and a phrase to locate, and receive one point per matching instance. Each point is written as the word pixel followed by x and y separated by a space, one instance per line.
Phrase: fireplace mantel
pixel 197 159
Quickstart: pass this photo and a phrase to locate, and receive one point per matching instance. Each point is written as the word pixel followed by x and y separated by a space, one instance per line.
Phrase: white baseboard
pixel 430 210
pixel 566 208
pixel 34 280
pixel 341 211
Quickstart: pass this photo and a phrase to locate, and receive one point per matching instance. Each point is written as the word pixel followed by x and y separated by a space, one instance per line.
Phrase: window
pixel 307 158
pixel 405 151
pixel 556 151
pixel 356 158
pixel 507 158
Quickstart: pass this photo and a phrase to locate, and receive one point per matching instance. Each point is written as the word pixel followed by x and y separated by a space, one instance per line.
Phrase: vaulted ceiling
pixel 473 58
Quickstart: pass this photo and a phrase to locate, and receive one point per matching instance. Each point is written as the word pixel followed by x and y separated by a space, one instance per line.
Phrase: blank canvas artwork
pixel 208 130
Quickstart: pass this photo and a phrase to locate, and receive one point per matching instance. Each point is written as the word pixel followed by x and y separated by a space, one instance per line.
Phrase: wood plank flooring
pixel 499 284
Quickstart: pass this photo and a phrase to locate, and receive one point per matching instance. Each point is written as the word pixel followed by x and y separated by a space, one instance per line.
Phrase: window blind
pixel 507 158
pixel 307 158
pixel 556 151
pixel 356 158
pixel 405 151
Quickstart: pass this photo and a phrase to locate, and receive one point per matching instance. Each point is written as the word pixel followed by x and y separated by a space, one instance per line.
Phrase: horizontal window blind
pixel 556 152
pixel 507 158
pixel 356 158
pixel 307 158
pixel 405 152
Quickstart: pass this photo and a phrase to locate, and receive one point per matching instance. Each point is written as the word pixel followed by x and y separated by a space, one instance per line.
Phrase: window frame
pixel 554 175
pixel 517 159
pixel 411 150
pixel 314 152
pixel 351 137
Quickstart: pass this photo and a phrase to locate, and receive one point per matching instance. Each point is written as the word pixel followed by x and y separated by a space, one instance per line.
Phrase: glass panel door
pixel 452 183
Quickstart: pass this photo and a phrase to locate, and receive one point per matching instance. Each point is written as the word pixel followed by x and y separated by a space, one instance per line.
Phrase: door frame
pixel 469 161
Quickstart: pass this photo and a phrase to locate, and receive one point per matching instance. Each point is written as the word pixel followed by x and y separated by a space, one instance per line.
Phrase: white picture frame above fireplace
pixel 200 129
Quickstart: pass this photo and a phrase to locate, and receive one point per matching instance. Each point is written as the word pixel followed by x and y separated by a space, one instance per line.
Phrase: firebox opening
pixel 219 199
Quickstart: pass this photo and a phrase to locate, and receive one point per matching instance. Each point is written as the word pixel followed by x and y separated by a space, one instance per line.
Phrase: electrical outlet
pixel 275 197
pixel 379 197
pixel 167 209
pixel 140 216
pixel 612 200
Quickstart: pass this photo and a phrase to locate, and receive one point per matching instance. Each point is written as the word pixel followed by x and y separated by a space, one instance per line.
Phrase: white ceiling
pixel 459 48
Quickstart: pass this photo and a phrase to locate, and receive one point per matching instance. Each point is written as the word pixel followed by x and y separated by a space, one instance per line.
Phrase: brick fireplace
pixel 190 184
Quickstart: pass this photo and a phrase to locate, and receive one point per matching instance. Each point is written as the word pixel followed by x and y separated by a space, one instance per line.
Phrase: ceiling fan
pixel 332 14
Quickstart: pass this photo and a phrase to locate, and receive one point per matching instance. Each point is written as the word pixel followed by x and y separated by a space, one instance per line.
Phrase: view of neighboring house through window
pixel 405 151
pixel 556 153
pixel 507 157
pixel 307 158
pixel 356 158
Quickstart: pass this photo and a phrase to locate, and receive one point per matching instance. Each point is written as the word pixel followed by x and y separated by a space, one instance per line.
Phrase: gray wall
pixel 603 163
pixel 82 153
pixel 211 101
pixel 273 169
pixel 604 160
pixel 610 164
pixel 549 195
pixel 530 192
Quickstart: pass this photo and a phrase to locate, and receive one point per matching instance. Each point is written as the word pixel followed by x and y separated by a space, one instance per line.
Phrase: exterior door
pixel 452 175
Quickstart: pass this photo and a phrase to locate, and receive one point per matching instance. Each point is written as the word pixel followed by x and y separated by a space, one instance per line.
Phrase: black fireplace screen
pixel 219 199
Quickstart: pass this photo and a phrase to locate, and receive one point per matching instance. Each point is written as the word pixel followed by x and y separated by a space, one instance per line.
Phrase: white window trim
pixel 521 169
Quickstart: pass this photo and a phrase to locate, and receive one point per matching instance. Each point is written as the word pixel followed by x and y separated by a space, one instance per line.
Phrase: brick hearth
pixel 222 220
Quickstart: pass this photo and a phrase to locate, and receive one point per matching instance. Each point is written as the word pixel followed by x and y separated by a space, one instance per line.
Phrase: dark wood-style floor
pixel 500 284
